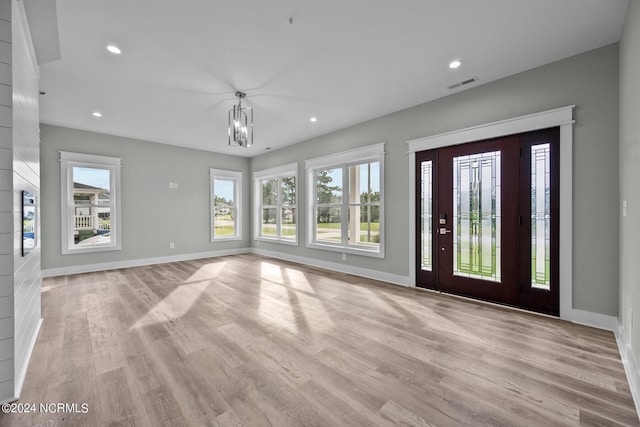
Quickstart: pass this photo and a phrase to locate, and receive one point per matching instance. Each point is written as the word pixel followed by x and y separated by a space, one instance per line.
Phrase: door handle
pixel 444 231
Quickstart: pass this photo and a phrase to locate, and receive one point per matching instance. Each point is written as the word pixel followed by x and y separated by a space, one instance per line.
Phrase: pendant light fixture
pixel 241 124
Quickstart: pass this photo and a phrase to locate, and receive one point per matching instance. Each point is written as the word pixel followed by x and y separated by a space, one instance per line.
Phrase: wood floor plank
pixel 197 395
pixel 246 340
pixel 162 408
pixel 108 354
pixel 590 419
pixel 116 401
pixel 283 405
pixel 229 419
pixel 337 410
pixel 268 354
pixel 401 416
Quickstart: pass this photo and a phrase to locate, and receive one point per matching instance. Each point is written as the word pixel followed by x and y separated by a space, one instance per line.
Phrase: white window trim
pixel 370 153
pixel 237 176
pixel 68 161
pixel 287 170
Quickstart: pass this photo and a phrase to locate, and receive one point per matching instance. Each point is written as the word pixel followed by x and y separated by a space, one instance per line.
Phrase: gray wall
pixel 589 80
pixel 152 214
pixel 630 177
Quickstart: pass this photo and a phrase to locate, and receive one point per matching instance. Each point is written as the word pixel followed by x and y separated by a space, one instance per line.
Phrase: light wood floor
pixel 255 341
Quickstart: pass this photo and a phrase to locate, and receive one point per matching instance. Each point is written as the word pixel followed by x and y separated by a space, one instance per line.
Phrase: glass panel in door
pixel 476 216
pixel 540 216
pixel 426 215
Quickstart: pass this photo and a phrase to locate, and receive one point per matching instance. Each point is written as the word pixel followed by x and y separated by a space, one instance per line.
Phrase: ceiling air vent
pixel 463 83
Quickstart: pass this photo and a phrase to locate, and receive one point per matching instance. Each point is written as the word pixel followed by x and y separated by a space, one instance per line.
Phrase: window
pixel 90 200
pixel 346 207
pixel 226 197
pixel 276 214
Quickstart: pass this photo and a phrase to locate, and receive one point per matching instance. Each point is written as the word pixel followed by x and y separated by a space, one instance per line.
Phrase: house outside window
pixel 275 199
pixel 90 201
pixel 226 205
pixel 346 202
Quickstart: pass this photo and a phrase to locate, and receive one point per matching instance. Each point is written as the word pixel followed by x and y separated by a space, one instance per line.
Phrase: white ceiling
pixel 343 61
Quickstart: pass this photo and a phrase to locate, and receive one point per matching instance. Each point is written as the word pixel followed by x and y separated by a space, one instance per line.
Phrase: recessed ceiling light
pixel 96 114
pixel 114 49
pixel 454 64
pixel 313 119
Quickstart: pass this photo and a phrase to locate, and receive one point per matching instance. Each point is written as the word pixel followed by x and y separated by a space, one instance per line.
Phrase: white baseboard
pixel 90 268
pixel 342 268
pixel 23 372
pixel 589 318
pixel 629 360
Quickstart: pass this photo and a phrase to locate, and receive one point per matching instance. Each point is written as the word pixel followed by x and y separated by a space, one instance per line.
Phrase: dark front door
pixel 488 220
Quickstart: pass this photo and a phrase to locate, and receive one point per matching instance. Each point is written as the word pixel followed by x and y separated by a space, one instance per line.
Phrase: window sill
pixel 226 239
pixel 276 240
pixel 73 251
pixel 348 250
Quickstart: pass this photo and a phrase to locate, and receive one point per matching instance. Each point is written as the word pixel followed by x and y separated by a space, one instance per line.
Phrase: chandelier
pixel 241 124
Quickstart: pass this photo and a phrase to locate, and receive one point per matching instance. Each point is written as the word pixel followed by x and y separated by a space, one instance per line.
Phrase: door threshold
pixel 497 305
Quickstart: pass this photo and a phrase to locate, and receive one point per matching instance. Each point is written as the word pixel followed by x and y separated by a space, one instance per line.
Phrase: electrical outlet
pixel 172 245
pixel 171 186
pixel 624 208
pixel 344 257
pixel 175 185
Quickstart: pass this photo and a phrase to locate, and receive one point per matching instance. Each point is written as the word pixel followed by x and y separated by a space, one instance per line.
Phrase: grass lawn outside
pixel 286 230
pixel 224 226
pixel 224 230
pixel 331 231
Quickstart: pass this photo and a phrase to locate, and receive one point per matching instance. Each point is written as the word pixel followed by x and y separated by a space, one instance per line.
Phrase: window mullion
pixel 236 192
pixel 314 222
pixel 257 220
pixel 278 209
pixel 70 206
pixel 344 212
